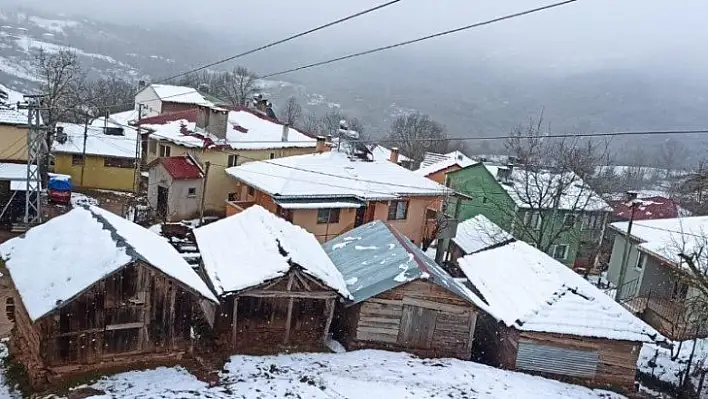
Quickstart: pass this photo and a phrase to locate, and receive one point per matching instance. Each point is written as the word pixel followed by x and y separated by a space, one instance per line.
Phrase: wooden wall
pixel 419 317
pixel 137 314
pixel 618 359
pixel 293 312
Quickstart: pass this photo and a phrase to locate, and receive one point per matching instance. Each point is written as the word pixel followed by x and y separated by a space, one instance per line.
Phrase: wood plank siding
pixel 419 317
pixel 137 315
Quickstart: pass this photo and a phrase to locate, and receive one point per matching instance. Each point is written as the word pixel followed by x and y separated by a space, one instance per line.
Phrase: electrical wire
pixel 287 39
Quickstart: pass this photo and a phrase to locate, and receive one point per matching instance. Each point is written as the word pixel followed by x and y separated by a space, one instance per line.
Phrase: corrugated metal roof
pixel 375 258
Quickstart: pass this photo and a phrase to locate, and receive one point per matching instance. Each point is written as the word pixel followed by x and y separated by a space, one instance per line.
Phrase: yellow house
pixel 96 157
pixel 224 139
pixel 13 135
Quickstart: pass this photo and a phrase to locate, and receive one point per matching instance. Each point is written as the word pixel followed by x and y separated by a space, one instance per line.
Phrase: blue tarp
pixel 59 183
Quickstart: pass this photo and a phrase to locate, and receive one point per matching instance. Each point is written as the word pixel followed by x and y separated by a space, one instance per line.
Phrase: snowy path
pixel 354 375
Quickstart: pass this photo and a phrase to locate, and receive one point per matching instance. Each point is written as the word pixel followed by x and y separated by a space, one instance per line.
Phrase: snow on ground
pixel 78 199
pixel 657 361
pixel 362 374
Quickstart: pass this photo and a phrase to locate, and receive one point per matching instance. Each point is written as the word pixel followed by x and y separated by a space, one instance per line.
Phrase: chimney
pixel 213 121
pixel 321 145
pixel 203 88
pixel 394 155
pixel 286 130
pixel 141 85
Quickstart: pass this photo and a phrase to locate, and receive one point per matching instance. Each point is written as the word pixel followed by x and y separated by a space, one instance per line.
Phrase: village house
pixel 157 99
pixel 13 135
pixel 224 139
pixel 175 189
pixel 95 156
pixel 655 207
pixel 332 192
pixel 401 299
pixel 278 288
pixel 94 292
pixel 544 318
pixel 558 211
pixel 436 166
pixel 652 284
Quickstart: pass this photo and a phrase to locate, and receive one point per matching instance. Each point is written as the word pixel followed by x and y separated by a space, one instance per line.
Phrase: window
pixel 533 219
pixel 232 161
pixel 679 290
pixel 431 214
pixel 192 192
pixel 484 200
pixel 641 261
pixel 152 146
pixel 398 210
pixel 77 160
pixel 165 150
pixel 327 215
pixel 272 155
pixel 251 191
pixel 10 309
pixel 569 220
pixel 560 251
pixel 110 162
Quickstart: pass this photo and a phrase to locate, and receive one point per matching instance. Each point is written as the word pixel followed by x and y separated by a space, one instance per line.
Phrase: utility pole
pixel 36 145
pixel 138 147
pixel 83 151
pixel 207 164
pixel 632 203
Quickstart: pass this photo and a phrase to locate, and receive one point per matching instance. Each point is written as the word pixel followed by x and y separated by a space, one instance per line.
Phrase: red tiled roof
pixel 180 167
pixel 656 208
pixel 188 114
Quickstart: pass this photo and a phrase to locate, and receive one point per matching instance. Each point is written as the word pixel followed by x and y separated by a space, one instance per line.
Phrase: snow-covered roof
pixel 433 157
pixel 651 208
pixel 57 260
pixel 245 130
pixel 449 160
pixel 334 174
pixel 478 233
pixel 318 204
pixel 180 94
pixel 537 189
pixel 376 257
pixel 530 291
pixel 244 250
pixel 120 119
pixel 12 117
pixel 382 153
pixel 16 173
pixel 97 142
pixel 668 237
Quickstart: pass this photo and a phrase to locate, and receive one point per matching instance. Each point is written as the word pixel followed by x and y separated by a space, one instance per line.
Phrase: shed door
pixel 557 360
pixel 417 327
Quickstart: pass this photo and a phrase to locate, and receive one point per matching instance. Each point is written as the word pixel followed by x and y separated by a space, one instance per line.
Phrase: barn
pixel 401 299
pixel 277 287
pixel 95 292
pixel 544 318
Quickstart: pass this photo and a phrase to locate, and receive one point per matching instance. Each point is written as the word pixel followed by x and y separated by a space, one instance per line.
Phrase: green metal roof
pixel 375 258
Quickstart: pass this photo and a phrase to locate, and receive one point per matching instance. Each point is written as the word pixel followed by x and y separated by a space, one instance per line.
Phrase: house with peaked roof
pixel 278 289
pixel 128 298
pixel 655 284
pixel 474 235
pixel 555 211
pixel 401 299
pixel 224 138
pixel 175 187
pixel 159 99
pixel 96 156
pixel 330 193
pixel 541 317
pixel 436 166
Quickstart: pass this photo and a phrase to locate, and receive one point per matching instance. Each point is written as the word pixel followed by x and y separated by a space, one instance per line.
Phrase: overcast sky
pixel 586 34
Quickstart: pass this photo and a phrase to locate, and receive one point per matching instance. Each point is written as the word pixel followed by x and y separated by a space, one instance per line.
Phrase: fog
pixel 588 34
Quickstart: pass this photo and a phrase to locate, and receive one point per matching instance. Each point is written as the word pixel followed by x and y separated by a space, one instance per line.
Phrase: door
pixel 359 219
pixel 417 327
pixel 163 195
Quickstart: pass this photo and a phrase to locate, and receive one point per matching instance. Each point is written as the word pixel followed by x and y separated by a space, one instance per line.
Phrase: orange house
pixel 330 193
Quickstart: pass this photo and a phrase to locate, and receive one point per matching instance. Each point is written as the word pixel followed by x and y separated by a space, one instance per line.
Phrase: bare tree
pixel 239 85
pixel 329 123
pixel 670 156
pixel 61 77
pixel 415 134
pixel 292 112
pixel 311 124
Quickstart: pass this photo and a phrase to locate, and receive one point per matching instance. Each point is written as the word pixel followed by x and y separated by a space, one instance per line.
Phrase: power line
pixel 287 39
pixel 420 39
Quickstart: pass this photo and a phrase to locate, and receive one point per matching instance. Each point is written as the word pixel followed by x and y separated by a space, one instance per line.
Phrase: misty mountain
pixel 481 97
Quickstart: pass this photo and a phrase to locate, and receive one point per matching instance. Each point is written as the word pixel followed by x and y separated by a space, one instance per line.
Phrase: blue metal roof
pixel 375 258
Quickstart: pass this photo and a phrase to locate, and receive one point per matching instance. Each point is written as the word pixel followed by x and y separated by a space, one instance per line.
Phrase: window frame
pixel 332 216
pixel 152 146
pixel 78 160
pixel 533 217
pixel 572 216
pixel 565 252
pixel 117 162
pixel 272 155
pixel 191 192
pixel 231 157
pixel 251 192
pixel 394 205
pixel 641 261
pixel 164 151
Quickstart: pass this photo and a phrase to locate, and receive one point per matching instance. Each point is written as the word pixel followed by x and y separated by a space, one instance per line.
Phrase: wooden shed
pixel 96 293
pixel 543 318
pixel 401 299
pixel 277 287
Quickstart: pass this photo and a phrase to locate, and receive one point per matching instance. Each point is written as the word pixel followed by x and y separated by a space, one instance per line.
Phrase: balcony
pixel 236 207
pixel 672 317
